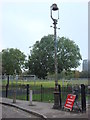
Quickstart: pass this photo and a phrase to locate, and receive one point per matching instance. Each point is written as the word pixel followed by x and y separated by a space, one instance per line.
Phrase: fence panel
pixel 44 94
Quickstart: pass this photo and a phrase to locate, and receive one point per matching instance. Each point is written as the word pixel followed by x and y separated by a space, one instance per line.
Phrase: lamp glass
pixel 55 14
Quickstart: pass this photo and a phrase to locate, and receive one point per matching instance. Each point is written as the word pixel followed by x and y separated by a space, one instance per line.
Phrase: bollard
pixel 27 92
pixel 60 96
pixel 30 97
pixel 83 98
pixel 14 96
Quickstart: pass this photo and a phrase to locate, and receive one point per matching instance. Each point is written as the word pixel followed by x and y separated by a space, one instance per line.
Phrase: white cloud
pixel 54 1
pixel 27 24
pixel 0 27
pixel 30 25
pixel 35 26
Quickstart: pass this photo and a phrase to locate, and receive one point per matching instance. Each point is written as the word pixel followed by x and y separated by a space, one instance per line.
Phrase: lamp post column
pixel 56 91
pixel 56 69
pixel 55 9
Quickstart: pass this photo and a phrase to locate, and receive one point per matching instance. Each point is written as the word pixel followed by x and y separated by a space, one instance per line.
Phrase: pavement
pixel 12 112
pixel 44 110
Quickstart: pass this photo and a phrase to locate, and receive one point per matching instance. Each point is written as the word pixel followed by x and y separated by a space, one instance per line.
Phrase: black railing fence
pixel 43 94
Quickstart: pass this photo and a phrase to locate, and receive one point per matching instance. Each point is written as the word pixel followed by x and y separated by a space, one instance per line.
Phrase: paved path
pixel 12 112
pixel 45 109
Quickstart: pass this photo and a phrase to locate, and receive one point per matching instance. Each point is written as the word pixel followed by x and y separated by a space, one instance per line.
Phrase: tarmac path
pixel 44 110
pixel 11 112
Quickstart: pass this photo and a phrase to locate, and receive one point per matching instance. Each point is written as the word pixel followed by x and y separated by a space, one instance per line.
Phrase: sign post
pixel 70 101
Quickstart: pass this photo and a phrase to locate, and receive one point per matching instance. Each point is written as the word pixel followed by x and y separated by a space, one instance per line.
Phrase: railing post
pixel 6 90
pixel 8 79
pixel 41 92
pixel 83 98
pixel 27 92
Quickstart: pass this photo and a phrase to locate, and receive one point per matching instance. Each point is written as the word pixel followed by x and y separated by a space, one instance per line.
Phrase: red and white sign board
pixel 70 101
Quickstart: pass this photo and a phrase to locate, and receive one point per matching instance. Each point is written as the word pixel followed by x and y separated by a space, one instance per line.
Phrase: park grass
pixel 36 97
pixel 46 83
pixel 49 97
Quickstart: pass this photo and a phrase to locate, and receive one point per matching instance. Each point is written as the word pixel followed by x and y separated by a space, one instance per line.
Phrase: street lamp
pixel 55 11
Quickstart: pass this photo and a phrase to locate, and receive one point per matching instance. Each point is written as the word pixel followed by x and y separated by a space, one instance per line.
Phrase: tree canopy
pixel 13 60
pixel 41 59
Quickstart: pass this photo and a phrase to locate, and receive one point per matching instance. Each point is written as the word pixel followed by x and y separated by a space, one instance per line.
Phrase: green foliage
pixel 41 59
pixel 68 54
pixel 84 74
pixel 12 59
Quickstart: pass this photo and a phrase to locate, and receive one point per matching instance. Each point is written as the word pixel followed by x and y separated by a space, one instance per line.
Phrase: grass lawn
pixel 46 83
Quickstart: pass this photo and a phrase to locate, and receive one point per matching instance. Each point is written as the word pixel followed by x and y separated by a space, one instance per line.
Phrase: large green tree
pixel 41 59
pixel 13 60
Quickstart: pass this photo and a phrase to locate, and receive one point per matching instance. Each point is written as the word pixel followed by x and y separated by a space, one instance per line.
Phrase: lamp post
pixel 55 10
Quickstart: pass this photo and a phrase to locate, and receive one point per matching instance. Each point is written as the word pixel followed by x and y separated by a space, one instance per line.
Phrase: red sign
pixel 70 101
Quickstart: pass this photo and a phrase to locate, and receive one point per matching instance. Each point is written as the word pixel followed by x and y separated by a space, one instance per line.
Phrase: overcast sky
pixel 23 23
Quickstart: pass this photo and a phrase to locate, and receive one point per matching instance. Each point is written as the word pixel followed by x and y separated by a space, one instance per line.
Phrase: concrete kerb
pixel 26 110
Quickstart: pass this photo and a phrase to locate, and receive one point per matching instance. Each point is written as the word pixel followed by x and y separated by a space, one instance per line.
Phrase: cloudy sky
pixel 25 22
